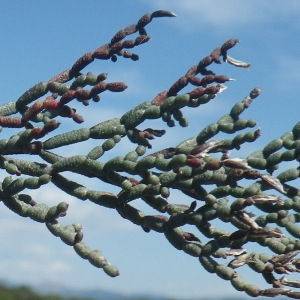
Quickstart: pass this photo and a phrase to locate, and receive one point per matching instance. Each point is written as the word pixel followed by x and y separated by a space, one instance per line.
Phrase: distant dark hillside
pixel 23 292
pixel 26 293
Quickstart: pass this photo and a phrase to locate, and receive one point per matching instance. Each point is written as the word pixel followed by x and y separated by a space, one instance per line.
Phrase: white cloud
pixel 58 266
pixel 15 225
pixel 36 250
pixel 32 268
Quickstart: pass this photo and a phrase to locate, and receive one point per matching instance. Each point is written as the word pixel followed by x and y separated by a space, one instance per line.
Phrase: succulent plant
pixel 218 186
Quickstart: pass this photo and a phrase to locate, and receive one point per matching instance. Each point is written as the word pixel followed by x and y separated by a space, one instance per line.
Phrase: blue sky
pixel 39 39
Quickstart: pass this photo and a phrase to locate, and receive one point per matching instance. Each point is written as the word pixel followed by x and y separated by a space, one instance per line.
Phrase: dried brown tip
pixel 98 88
pixel 206 61
pixel 102 52
pixel 67 97
pixel 62 77
pixel 160 98
pixel 101 77
pixel 33 110
pixel 81 63
pixel 52 105
pixel 50 126
pixel 115 48
pixel 222 78
pixel 226 46
pixel 141 39
pixel 255 93
pixel 196 81
pixel 36 133
pixel 120 35
pixel 188 236
pixel 229 44
pixel 128 44
pixel 251 174
pixel 142 31
pixel 281 270
pixel 144 20
pixel 193 162
pixel 216 55
pixel 213 89
pixel 11 122
pixel 78 118
pixel 177 86
pixel 116 86
pixel 145 135
pixel 82 94
pixel 127 54
pixel 207 79
pixel 155 132
pixel 96 98
pixel 191 72
pixel 134 57
pixel 162 13
pixel 131 29
pixel 67 111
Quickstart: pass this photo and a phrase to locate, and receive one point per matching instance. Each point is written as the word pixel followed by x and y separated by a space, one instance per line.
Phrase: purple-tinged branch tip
pixel 163 13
